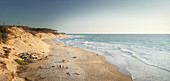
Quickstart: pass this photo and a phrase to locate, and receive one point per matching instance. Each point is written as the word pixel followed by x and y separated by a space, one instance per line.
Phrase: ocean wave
pixel 86 42
pixel 79 36
pixel 134 55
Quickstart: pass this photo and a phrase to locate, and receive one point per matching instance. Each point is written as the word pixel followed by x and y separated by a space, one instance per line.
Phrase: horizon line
pixel 115 33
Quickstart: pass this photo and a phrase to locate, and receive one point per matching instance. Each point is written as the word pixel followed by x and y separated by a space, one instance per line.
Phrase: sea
pixel 145 57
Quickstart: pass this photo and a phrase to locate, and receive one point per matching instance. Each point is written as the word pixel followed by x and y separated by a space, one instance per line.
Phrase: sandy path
pixel 82 66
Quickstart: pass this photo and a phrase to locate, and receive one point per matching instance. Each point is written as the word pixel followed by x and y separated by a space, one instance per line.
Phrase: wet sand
pixel 66 63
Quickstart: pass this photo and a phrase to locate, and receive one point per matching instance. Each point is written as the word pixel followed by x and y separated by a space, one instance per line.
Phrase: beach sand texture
pixel 66 63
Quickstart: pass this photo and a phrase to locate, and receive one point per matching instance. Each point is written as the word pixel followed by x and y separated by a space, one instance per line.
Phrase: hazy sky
pixel 90 16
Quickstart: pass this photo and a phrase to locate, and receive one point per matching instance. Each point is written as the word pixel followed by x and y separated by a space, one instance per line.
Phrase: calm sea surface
pixel 145 57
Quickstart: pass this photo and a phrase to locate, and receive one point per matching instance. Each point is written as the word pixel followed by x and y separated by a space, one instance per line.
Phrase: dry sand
pixel 82 66
pixel 20 41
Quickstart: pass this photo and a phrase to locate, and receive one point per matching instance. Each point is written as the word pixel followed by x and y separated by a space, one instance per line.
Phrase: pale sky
pixel 90 16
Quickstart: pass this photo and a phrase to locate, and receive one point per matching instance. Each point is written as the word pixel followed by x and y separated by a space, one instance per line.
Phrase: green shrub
pixel 4 32
pixel 21 62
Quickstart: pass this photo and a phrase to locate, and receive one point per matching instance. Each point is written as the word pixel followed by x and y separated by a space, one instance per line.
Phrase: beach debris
pixel 52 66
pixel 46 57
pixel 62 66
pixel 67 67
pixel 74 57
pixel 65 61
pixel 76 73
pixel 68 74
pixel 30 57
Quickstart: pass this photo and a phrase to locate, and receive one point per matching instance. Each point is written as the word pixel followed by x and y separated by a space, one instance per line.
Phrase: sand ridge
pixel 20 41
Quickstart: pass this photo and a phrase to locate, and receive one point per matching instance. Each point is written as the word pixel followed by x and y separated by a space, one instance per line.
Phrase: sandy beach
pixel 66 63
pixel 85 40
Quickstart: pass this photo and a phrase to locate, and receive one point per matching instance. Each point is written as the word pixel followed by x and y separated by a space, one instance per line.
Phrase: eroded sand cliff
pixel 20 41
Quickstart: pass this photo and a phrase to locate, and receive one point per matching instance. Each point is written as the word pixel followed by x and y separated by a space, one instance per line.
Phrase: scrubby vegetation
pixel 44 30
pixel 4 31
pixel 38 30
pixel 20 69
pixel 34 31
pixel 21 62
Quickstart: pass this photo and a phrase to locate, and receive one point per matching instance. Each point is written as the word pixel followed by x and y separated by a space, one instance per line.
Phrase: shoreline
pixel 121 69
pixel 82 65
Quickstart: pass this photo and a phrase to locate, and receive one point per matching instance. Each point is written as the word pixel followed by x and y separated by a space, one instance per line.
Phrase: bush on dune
pixel 4 31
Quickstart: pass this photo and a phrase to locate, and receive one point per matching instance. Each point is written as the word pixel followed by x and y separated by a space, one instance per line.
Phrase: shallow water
pixel 146 57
